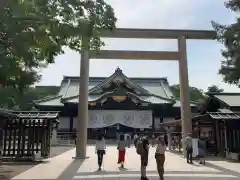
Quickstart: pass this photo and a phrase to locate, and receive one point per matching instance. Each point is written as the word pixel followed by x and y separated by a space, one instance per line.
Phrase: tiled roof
pixel 29 114
pixel 37 114
pixel 51 101
pixel 156 89
pixel 155 86
pixel 149 99
pixel 212 115
pixel 230 99
pixel 178 104
pixel 219 115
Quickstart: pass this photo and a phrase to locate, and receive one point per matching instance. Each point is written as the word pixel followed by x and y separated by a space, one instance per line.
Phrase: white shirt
pixel 135 137
pixel 160 149
pixel 100 145
pixel 127 137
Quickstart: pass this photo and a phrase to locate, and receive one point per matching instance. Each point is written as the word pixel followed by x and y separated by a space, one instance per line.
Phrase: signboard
pixel 105 118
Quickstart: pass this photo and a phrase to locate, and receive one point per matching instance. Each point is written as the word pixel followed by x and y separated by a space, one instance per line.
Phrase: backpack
pixel 140 149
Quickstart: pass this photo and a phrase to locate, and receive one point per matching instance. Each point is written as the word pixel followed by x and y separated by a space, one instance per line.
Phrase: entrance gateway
pixel 180 56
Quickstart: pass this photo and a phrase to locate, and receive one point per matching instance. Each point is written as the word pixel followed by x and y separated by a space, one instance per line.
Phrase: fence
pixel 27 135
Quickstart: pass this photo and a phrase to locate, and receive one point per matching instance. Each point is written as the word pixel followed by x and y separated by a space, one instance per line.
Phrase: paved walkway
pixel 63 167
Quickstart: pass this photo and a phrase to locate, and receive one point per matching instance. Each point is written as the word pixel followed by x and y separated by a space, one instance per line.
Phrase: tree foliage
pixel 195 93
pixel 214 89
pixel 34 32
pixel 229 35
pixel 12 99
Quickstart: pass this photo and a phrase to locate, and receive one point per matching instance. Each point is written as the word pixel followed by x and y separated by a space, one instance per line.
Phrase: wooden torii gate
pixel 180 56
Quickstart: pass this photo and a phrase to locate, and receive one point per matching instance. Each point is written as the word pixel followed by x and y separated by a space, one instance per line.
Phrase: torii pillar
pixel 82 121
pixel 184 89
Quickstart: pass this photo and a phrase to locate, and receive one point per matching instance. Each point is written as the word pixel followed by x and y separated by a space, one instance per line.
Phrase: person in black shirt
pixel 144 159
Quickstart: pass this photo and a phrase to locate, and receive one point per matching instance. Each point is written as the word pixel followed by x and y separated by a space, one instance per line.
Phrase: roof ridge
pixel 153 78
pixel 223 93
pixel 47 99
pixel 68 84
pixel 118 72
pixel 179 99
pixel 164 89
pixel 163 98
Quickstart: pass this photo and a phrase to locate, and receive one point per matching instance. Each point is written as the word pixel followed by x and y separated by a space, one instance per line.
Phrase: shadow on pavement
pixel 219 168
pixel 226 171
pixel 71 170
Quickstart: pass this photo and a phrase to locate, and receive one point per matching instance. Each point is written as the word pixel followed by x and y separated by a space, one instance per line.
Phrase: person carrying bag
pixel 100 150
pixel 160 156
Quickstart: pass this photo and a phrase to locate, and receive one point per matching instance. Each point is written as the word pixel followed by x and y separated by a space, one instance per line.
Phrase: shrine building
pixel 116 104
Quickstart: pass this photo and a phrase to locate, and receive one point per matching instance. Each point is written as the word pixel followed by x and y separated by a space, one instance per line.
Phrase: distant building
pixel 220 121
pixel 218 124
pixel 116 104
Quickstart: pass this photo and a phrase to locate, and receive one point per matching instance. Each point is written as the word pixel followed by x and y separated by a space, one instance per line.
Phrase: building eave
pixel 39 103
pixel 118 72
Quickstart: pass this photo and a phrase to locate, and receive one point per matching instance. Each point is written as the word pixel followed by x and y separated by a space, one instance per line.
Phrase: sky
pixel 204 57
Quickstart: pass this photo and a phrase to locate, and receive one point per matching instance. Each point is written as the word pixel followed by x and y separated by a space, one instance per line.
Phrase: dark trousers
pixel 189 154
pixel 100 154
pixel 160 159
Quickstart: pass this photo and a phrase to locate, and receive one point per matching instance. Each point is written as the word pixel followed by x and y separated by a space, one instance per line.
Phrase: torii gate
pixel 180 56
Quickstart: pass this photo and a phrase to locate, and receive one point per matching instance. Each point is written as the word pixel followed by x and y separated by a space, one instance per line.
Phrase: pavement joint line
pixel 103 172
pixel 156 175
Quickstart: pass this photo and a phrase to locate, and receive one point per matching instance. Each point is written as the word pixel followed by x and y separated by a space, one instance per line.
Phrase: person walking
pixel 189 148
pixel 100 150
pixel 128 141
pixel 202 151
pixel 121 150
pixel 135 139
pixel 142 148
pixel 160 156
pixel 153 140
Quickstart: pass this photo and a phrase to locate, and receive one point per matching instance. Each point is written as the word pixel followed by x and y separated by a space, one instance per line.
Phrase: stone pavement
pixel 63 167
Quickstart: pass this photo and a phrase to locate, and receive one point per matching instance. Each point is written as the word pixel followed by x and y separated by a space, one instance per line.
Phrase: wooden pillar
pixel 226 135
pixel 186 121
pixel 82 121
pixel 71 124
pixel 184 88
pixel 217 137
pixel 169 136
pixel 153 122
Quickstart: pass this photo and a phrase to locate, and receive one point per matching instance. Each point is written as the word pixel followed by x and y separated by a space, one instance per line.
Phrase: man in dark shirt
pixel 144 159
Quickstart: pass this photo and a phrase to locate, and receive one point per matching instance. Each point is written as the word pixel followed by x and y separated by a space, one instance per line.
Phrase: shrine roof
pixel 207 116
pixel 178 103
pixel 153 90
pixel 143 99
pixel 6 113
pixel 157 86
pixel 230 99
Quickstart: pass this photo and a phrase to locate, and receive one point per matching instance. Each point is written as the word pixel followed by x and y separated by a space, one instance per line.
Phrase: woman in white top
pixel 160 156
pixel 100 150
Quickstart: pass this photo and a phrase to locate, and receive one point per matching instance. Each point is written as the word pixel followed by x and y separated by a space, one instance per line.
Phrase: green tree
pixel 214 89
pixel 229 35
pixel 12 99
pixel 195 93
pixel 34 32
